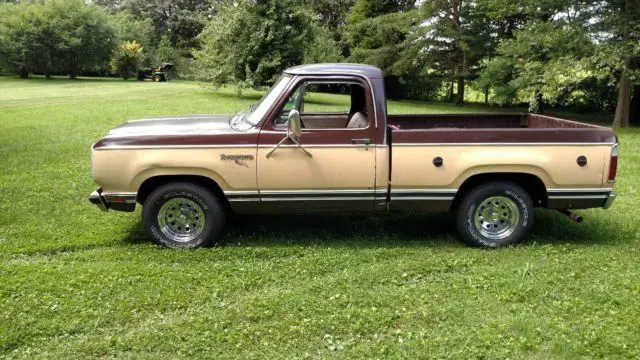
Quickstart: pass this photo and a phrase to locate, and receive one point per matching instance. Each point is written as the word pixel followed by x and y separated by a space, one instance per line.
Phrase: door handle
pixel 365 141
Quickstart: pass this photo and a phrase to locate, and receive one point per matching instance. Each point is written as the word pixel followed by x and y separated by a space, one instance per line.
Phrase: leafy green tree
pixel 250 43
pixel 29 41
pixel 128 28
pixel 86 37
pixel 332 13
pixel 544 59
pixel 619 52
pixel 379 32
pixel 165 53
pixel 126 59
pixel 456 36
pixel 54 36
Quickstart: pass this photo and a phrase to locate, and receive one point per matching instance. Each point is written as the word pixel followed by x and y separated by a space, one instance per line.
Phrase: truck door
pixel 333 166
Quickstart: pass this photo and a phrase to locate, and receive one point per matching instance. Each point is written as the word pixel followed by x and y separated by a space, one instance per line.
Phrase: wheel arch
pixel 531 183
pixel 153 182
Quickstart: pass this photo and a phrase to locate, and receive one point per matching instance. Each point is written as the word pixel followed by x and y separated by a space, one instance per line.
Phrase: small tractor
pixel 160 74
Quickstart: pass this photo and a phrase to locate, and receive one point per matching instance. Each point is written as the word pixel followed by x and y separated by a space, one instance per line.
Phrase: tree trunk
pixel 23 72
pixel 623 105
pixel 535 106
pixel 450 92
pixel 621 117
pixel 460 97
pixel 486 95
pixel 634 110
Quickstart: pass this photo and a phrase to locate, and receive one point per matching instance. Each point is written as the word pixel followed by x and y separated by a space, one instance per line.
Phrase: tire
pixel 199 216
pixel 494 215
pixel 157 78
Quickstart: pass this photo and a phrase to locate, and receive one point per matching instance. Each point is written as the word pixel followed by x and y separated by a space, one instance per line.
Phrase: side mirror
pixel 294 124
pixel 293 133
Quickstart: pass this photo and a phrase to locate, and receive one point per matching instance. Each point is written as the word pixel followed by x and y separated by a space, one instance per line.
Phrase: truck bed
pixel 506 127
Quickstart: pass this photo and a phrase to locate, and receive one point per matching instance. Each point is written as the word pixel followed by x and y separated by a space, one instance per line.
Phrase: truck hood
pixel 183 125
pixel 183 131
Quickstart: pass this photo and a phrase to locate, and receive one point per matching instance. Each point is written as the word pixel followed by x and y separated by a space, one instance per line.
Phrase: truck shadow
pixel 397 230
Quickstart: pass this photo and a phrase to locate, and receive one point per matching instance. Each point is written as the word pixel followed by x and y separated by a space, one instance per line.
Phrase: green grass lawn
pixel 78 283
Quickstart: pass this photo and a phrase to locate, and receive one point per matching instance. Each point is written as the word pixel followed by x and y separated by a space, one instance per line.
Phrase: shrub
pixel 126 59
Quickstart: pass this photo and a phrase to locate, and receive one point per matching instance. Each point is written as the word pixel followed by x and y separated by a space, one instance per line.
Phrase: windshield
pixel 260 109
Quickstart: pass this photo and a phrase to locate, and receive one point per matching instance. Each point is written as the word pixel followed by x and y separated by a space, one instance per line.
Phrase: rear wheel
pixel 495 214
pixel 157 78
pixel 183 215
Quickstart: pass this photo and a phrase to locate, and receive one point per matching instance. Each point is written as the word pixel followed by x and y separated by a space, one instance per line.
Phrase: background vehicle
pixel 307 147
pixel 160 74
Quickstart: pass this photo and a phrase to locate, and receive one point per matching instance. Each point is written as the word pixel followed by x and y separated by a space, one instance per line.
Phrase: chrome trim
pixel 97 199
pixel 242 192
pixel 499 144
pixel 580 190
pixel 350 146
pixel 578 197
pixel 130 197
pixel 368 198
pixel 503 144
pixel 334 191
pixel 398 198
pixel 131 147
pixel 244 199
pixel 424 191
pixel 609 201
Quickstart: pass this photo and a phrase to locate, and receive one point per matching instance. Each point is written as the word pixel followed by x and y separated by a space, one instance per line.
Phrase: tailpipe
pixel 573 216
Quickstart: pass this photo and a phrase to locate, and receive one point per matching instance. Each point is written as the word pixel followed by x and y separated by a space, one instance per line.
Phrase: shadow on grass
pixel 396 230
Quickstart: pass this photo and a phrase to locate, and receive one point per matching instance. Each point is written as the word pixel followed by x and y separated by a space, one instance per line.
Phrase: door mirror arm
pixel 294 132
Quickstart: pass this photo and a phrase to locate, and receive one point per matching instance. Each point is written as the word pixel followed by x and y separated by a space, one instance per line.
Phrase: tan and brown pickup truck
pixel 321 141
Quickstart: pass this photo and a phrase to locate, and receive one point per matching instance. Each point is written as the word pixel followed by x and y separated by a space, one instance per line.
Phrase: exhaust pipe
pixel 573 216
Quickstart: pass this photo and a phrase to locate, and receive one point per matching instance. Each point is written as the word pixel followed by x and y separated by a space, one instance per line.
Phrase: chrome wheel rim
pixel 181 219
pixel 497 217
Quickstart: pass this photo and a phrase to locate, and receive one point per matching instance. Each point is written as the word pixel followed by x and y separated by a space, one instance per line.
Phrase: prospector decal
pixel 238 159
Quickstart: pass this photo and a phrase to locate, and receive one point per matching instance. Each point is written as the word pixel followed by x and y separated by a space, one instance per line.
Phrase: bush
pixel 165 53
pixel 126 59
pixel 54 36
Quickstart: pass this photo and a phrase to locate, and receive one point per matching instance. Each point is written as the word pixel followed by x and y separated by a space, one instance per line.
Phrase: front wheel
pixel 183 215
pixel 495 214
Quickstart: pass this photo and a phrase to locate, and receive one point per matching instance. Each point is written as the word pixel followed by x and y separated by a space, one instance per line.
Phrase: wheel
pixel 494 215
pixel 183 215
pixel 157 78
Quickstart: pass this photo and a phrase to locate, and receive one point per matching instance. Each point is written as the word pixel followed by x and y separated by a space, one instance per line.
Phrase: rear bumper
pixel 115 201
pixel 609 201
pixel 580 198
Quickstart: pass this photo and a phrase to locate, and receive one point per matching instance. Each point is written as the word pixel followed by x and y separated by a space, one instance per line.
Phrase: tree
pixel 545 58
pixel 128 28
pixel 621 53
pixel 165 53
pixel 181 20
pixel 126 59
pixel 332 13
pixel 53 36
pixel 457 35
pixel 86 37
pixel 252 42
pixel 381 33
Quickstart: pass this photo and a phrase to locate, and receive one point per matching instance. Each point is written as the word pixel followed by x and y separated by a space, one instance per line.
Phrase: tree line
pixel 578 55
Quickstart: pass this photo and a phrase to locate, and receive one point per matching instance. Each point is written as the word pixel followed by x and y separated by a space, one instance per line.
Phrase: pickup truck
pixel 321 141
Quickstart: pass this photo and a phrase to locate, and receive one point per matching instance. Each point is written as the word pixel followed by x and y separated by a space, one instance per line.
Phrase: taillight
pixel 613 164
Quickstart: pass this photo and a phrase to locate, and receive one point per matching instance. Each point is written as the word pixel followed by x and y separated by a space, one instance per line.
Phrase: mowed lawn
pixel 79 283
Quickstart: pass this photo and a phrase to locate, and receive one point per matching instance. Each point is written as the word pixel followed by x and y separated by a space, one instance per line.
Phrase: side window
pixel 328 105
